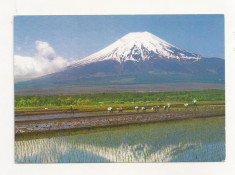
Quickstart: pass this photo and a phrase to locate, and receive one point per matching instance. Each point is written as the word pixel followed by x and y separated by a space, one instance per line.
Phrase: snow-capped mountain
pixel 136 58
pixel 138 46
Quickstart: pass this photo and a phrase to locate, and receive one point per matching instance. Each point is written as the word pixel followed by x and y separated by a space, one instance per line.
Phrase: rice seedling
pixel 179 141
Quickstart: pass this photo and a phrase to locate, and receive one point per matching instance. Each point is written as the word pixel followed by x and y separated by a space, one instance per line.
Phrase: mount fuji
pixel 136 47
pixel 136 58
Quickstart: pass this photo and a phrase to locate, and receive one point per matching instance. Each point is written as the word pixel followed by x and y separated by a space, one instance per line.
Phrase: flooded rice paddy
pixel 193 140
pixel 57 116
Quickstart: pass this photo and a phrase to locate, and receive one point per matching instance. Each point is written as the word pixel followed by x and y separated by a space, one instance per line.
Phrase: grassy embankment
pixel 100 101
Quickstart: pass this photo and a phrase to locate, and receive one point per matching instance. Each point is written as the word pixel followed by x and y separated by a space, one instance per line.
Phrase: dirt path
pixel 36 126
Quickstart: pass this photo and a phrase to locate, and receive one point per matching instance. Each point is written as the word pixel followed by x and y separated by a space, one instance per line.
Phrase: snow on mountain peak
pixel 138 46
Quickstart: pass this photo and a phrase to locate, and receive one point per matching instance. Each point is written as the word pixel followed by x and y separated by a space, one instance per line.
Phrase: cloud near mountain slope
pixel 45 61
pixel 136 58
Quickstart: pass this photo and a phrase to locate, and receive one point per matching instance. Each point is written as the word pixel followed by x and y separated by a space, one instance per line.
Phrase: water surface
pixel 55 116
pixel 192 140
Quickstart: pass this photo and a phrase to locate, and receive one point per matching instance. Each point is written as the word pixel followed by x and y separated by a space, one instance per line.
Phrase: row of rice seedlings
pixel 180 141
pixel 84 153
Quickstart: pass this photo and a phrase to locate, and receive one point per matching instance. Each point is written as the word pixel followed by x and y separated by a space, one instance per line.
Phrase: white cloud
pixel 45 50
pixel 44 62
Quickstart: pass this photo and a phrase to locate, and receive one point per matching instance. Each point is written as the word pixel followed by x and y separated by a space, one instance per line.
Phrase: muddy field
pixel 51 125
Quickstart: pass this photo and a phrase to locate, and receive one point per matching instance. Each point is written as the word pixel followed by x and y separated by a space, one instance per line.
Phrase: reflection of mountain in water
pixel 191 140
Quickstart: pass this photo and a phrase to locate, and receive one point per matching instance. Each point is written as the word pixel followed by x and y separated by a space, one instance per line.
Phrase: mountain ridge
pixel 136 58
pixel 136 45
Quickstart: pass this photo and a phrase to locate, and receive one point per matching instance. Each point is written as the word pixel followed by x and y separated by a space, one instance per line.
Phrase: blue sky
pixel 79 36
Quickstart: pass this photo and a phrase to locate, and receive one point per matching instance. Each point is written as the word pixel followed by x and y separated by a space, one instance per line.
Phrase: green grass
pixel 127 99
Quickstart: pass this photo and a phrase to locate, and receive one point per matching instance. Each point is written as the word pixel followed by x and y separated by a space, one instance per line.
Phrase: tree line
pixel 119 98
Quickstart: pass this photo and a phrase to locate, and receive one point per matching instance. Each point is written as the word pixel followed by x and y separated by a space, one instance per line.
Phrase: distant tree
pixel 69 101
pixel 22 102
